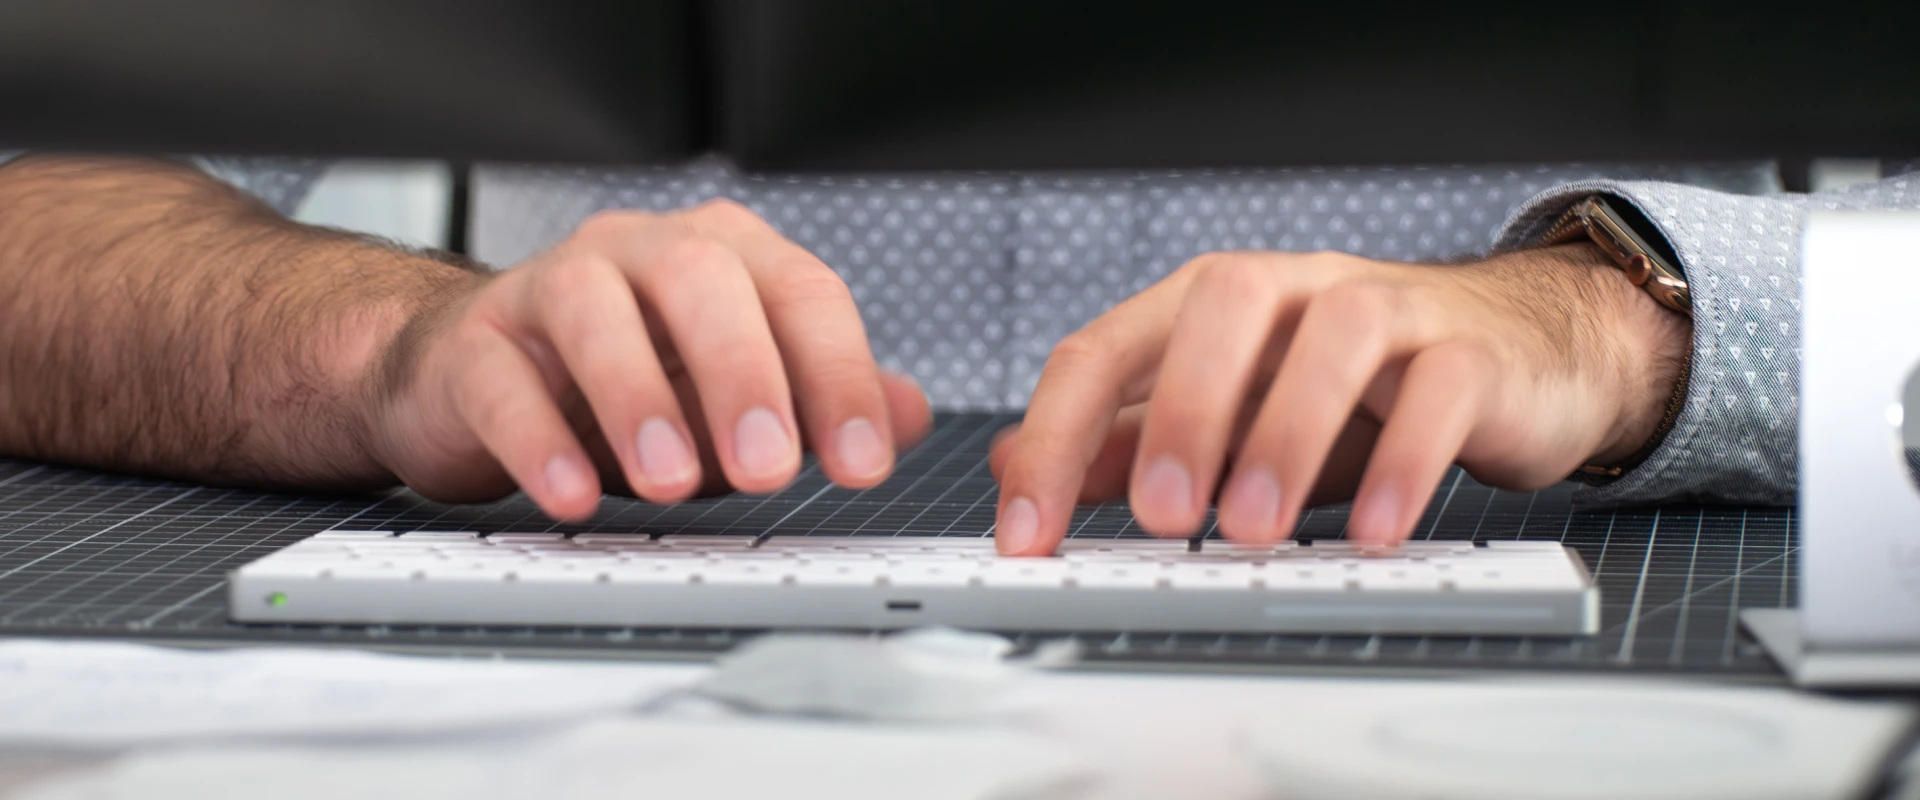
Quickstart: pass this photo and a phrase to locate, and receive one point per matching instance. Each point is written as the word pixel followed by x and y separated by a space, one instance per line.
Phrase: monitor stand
pixel 1858 621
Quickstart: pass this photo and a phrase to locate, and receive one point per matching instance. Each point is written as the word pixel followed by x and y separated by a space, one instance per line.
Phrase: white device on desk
pixel 1502 588
pixel 1858 622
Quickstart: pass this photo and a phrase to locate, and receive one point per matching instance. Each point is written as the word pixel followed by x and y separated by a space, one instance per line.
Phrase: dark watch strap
pixel 1599 474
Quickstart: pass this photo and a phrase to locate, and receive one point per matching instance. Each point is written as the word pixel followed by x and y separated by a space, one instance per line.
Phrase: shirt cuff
pixel 1734 440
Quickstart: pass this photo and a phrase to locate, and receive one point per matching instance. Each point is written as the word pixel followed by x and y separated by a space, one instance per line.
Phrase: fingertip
pixel 574 512
pixel 1018 529
pixel 670 495
pixel 669 469
pixel 1162 498
pixel 860 457
pixel 1250 507
pixel 570 491
pixel 1376 517
pixel 765 454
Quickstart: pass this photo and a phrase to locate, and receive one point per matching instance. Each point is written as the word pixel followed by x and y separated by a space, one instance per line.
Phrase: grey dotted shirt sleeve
pixel 1735 440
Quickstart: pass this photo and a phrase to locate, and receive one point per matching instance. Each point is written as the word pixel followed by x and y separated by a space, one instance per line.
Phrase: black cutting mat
pixel 87 554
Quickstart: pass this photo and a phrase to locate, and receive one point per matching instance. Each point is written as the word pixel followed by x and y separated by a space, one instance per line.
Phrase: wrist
pixel 1653 351
pixel 374 342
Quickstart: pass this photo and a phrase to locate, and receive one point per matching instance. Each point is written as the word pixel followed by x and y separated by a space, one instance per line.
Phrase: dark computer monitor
pixel 576 80
pixel 882 85
pixel 981 84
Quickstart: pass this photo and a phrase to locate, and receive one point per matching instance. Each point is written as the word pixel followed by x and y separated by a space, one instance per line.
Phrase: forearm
pixel 156 320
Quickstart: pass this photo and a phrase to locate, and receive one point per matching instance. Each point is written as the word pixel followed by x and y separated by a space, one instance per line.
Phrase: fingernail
pixel 566 479
pixel 1167 487
pixel 1019 526
pixel 861 452
pixel 1377 516
pixel 665 457
pixel 760 443
pixel 1252 501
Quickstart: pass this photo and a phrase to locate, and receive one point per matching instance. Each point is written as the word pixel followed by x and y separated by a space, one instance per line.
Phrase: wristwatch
pixel 1636 246
pixel 1626 236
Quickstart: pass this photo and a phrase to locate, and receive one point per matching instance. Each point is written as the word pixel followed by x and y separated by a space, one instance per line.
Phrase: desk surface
pixel 93 555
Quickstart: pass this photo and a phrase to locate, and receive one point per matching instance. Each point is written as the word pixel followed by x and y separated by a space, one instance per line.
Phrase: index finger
pixel 1089 376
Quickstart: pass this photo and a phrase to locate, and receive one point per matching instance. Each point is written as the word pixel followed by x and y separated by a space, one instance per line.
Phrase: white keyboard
pixel 625 580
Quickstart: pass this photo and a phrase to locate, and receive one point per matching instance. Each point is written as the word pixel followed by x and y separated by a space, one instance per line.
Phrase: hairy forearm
pixel 155 320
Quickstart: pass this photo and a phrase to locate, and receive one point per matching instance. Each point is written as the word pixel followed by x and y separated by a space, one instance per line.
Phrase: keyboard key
pixel 525 538
pixel 1118 577
pixel 1211 576
pixel 931 575
pixel 442 536
pixel 677 556
pixel 325 535
pixel 549 572
pixel 681 540
pixel 610 538
pixel 1027 573
pixel 579 554
pixel 361 570
pixel 842 575
pixel 1401 577
pixel 1313 578
pixel 747 574
pixel 1072 546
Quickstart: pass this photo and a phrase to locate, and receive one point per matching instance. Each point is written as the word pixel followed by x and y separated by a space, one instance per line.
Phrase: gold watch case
pixel 1598 219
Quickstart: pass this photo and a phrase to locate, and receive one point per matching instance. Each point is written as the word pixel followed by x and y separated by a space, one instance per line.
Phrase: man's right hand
pixel 666 353
pixel 1279 381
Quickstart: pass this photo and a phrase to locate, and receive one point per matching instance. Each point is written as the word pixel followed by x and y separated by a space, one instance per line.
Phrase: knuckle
pixel 1231 276
pixel 1206 262
pixel 563 283
pixel 1080 350
pixel 611 223
pixel 726 212
pixel 802 281
pixel 1326 260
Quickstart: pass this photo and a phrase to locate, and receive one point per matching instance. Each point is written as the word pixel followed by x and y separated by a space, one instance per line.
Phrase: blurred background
pixel 986 176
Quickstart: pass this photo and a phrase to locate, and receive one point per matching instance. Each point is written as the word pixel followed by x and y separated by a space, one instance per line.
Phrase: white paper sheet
pixel 614 758
pixel 101 695
pixel 1576 738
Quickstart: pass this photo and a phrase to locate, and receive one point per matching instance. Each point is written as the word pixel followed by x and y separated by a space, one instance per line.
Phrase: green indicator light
pixel 277 599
